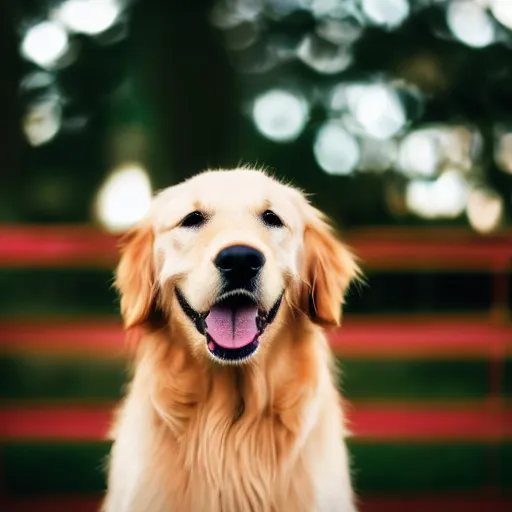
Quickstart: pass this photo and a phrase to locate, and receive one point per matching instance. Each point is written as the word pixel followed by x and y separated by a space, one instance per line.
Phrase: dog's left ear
pixel 135 276
pixel 328 267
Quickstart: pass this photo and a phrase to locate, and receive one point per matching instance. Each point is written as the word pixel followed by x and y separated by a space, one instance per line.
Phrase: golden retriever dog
pixel 227 286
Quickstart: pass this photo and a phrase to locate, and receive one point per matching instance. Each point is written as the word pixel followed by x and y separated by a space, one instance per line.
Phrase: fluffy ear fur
pixel 135 276
pixel 328 268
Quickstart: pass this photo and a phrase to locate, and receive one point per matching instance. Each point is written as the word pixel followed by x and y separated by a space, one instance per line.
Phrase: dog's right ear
pixel 135 276
pixel 328 269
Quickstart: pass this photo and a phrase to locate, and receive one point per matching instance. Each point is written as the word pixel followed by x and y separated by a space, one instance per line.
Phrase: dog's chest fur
pixel 236 447
pixel 228 440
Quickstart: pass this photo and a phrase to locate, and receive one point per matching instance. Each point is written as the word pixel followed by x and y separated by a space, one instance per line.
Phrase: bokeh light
pixel 503 152
pixel 89 17
pixel 484 210
pixel 444 198
pixel 419 154
pixel 377 155
pixel 326 8
pixel 502 11
pixel 43 120
pixel 37 80
pixel 280 115
pixel 336 151
pixel 470 23
pixel 124 198
pixel 388 13
pixel 344 32
pixel 427 151
pixel 324 56
pixel 378 110
pixel 45 44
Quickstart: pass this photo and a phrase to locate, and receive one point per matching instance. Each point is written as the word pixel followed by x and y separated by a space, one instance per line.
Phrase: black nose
pixel 239 264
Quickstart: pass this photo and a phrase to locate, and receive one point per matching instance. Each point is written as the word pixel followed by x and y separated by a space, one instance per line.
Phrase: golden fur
pixel 267 435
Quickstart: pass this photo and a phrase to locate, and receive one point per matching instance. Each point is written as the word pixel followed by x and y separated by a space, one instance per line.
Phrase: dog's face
pixel 223 254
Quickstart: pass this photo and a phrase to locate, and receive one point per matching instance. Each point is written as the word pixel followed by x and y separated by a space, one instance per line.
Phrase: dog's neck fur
pixel 249 417
pixel 248 384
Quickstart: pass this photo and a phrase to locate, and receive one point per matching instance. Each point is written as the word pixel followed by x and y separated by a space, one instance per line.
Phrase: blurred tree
pixel 159 69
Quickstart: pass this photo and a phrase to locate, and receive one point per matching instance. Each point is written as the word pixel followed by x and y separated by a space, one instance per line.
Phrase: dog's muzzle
pixel 233 326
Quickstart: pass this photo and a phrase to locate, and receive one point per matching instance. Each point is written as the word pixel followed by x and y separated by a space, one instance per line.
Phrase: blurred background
pixel 395 114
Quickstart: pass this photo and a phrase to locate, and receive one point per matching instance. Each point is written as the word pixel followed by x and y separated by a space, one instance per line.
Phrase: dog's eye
pixel 193 220
pixel 271 219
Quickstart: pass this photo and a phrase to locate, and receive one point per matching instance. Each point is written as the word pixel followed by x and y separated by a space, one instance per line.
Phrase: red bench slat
pixel 74 245
pixel 477 422
pixel 367 337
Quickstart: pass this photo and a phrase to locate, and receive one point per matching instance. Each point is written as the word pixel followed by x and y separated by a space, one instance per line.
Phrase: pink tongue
pixel 232 328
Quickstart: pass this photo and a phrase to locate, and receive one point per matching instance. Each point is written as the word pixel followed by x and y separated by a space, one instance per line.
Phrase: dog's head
pixel 223 254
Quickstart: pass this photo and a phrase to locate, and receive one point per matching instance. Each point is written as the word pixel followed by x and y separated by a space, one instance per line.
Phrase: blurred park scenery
pixel 396 115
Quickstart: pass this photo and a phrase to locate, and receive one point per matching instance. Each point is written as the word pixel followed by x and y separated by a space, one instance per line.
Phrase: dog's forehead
pixel 235 191
pixel 251 184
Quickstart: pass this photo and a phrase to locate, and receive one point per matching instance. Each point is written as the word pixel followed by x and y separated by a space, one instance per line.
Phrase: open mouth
pixel 233 325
